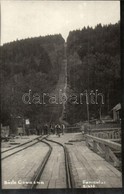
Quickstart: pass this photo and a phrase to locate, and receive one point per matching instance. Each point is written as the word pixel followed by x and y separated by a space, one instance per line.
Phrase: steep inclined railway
pixel 59 109
pixel 62 118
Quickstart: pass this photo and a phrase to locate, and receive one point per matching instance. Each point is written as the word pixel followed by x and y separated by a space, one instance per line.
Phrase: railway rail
pixel 69 177
pixel 19 148
pixel 19 145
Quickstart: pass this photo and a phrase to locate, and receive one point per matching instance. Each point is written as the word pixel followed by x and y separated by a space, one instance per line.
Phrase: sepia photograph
pixel 61 110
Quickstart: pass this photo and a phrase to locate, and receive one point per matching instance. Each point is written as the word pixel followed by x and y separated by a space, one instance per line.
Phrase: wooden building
pixel 117 112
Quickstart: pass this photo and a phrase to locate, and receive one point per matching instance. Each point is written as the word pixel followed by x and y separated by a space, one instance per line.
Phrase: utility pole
pixel 88 114
pixel 88 117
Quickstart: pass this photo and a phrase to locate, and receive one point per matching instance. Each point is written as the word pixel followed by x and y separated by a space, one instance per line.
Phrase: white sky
pixel 23 19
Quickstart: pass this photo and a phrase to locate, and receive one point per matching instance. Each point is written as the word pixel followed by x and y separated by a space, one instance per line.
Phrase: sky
pixel 26 19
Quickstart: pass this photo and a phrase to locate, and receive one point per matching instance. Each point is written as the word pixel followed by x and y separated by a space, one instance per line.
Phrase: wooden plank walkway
pixel 89 169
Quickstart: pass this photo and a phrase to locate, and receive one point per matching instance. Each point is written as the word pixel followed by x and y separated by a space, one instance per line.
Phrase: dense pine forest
pixel 94 64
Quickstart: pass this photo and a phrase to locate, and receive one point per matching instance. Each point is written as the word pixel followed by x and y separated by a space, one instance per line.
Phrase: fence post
pixel 107 153
pixel 86 138
pixel 95 146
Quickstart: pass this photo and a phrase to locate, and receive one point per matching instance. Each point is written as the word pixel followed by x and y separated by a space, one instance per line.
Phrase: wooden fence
pixel 111 133
pixel 72 129
pixel 106 148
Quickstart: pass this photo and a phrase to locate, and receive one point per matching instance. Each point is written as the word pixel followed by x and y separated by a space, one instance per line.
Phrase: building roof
pixel 117 107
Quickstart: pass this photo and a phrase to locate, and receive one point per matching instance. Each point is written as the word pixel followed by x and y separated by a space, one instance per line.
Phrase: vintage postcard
pixel 61 110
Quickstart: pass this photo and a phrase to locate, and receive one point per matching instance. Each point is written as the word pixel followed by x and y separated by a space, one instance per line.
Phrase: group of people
pixel 57 129
pixel 50 129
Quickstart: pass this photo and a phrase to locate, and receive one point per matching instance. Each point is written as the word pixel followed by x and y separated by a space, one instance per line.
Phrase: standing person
pixel 51 129
pixel 63 129
pixel 45 129
pixel 40 129
pixel 58 129
pixel 37 130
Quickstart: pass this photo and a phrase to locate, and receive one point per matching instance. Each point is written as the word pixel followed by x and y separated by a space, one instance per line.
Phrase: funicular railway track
pixel 14 150
pixel 68 174
pixel 44 167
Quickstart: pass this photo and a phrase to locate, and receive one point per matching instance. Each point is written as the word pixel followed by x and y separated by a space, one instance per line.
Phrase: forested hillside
pixel 94 63
pixel 33 64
